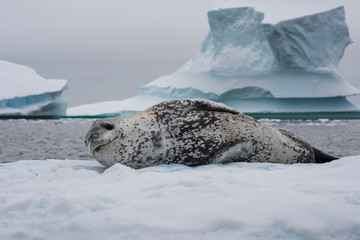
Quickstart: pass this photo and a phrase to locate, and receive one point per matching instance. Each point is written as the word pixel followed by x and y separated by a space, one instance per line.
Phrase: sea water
pixel 64 138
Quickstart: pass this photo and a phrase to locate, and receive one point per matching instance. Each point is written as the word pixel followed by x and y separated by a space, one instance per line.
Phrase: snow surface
pixel 23 92
pixel 121 108
pixel 257 67
pixel 72 199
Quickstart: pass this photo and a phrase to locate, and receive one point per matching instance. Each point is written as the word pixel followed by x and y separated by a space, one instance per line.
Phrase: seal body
pixel 194 132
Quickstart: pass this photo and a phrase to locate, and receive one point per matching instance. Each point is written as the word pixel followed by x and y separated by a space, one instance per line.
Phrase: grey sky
pixel 107 49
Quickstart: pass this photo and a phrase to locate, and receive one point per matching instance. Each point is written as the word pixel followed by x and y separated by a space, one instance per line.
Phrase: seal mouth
pixel 96 147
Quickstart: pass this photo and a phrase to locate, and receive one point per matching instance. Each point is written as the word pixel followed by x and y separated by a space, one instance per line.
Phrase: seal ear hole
pixel 107 126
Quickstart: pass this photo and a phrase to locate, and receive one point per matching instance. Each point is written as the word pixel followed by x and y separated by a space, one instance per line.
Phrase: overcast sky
pixel 107 49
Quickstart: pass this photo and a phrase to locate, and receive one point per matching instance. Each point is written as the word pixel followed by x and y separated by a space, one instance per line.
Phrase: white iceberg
pixel 58 199
pixel 291 66
pixel 25 93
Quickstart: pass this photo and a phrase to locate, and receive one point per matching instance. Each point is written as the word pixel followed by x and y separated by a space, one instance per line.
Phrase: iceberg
pixel 25 93
pixel 288 67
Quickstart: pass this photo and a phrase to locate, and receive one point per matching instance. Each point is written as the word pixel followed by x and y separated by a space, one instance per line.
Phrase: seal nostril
pixel 93 137
pixel 107 126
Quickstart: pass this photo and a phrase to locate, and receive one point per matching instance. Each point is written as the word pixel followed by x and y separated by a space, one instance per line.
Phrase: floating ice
pixel 291 66
pixel 23 92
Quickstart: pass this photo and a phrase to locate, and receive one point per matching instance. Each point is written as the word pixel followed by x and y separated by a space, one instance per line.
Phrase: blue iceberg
pixel 288 67
pixel 25 93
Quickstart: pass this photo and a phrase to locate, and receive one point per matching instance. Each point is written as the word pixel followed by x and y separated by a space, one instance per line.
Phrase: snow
pixel 290 84
pixel 72 199
pixel 119 108
pixel 23 92
pixel 286 63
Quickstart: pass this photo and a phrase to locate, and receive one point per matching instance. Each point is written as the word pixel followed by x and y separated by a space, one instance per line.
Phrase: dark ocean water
pixel 64 138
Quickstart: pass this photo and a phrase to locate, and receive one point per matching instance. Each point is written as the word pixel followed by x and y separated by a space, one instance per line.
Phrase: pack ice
pixel 25 93
pixel 291 66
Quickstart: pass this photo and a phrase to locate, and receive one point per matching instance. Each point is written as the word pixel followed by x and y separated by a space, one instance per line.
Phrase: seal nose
pixel 93 136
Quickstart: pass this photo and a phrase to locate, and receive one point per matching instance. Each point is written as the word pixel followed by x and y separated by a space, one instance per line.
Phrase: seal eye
pixel 107 126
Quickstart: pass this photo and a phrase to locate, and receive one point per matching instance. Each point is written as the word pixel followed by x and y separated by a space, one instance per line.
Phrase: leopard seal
pixel 194 132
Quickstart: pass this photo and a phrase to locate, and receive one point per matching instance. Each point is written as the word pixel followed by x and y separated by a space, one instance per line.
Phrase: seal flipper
pixel 156 138
pixel 321 157
pixel 318 155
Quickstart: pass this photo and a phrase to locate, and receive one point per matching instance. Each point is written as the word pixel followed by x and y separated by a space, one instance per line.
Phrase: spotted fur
pixel 193 132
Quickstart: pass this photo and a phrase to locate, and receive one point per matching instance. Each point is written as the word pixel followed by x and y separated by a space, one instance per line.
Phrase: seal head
pixel 101 133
